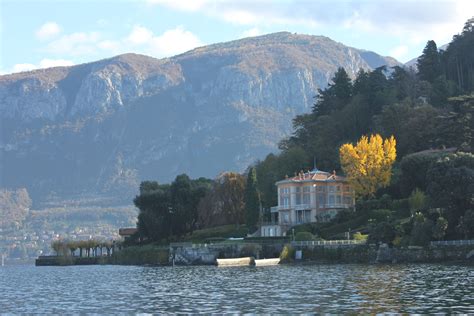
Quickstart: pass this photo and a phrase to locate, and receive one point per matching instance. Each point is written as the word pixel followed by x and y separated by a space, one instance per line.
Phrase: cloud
pixel 23 67
pixel 193 5
pixel 173 42
pixel 140 35
pixel 399 52
pixel 139 40
pixel 48 30
pixel 44 63
pixel 251 32
pixel 75 44
pixel 415 22
pixel 47 63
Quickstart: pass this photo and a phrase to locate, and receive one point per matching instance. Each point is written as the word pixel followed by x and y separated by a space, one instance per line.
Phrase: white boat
pixel 267 262
pixel 233 262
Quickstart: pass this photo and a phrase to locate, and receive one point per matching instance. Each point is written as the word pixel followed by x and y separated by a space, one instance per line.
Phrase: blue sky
pixel 46 33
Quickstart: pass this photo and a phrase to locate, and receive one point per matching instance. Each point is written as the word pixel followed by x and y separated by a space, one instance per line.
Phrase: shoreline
pixel 189 255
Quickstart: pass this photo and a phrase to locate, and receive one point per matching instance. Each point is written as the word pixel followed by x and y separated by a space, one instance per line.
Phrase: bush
pixel 287 254
pixel 225 231
pixel 304 236
pixel 401 208
pixel 333 230
pixel 359 236
pixel 382 215
pixel 139 255
pixel 383 232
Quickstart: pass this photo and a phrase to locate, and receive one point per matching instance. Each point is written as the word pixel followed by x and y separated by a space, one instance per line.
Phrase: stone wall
pixel 206 254
pixel 384 254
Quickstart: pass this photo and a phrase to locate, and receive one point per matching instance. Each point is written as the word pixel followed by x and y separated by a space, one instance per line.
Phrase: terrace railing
pixel 327 243
pixel 452 243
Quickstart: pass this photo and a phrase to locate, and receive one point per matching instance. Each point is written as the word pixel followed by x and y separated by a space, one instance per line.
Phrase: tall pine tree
pixel 429 66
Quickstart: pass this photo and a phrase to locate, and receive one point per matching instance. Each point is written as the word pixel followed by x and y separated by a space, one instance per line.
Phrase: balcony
pixel 301 207
pixel 275 209
pixel 298 207
pixel 341 205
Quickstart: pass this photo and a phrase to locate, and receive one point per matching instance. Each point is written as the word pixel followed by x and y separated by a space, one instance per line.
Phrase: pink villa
pixel 311 197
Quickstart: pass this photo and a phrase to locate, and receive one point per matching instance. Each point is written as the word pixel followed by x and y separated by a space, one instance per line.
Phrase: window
pixel 338 199
pixel 347 200
pixel 321 199
pixel 284 191
pixel 306 189
pixel 347 188
pixel 298 198
pixel 297 189
pixel 331 200
pixel 320 188
pixel 306 199
pixel 331 188
pixel 338 188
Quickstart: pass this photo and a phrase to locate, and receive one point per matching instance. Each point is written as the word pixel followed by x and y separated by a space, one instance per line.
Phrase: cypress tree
pixel 252 200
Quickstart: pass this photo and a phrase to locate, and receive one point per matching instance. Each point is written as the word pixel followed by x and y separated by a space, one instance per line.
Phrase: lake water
pixel 427 288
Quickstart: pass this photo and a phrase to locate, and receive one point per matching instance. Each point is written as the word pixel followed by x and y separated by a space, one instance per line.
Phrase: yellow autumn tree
pixel 368 165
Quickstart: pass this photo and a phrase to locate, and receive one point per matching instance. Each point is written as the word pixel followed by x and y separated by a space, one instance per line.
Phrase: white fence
pixel 452 243
pixel 327 243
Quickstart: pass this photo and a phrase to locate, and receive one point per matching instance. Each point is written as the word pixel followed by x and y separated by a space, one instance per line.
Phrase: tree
pixel 458 58
pixel 451 187
pixel 417 201
pixel 224 203
pixel 231 194
pixel 336 96
pixel 421 230
pixel 429 66
pixel 383 232
pixel 456 128
pixel 368 165
pixel 439 229
pixel 154 219
pixel 57 246
pixel 252 200
pixel 466 224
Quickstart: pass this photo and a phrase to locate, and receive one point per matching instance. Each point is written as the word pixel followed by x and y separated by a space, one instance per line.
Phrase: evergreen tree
pixel 429 66
pixel 336 96
pixel 252 200
pixel 459 56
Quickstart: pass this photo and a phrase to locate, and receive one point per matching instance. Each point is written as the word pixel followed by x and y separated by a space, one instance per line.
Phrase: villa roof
pixel 129 231
pixel 314 175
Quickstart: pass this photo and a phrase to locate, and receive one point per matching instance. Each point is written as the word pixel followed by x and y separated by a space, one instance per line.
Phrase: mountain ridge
pixel 104 126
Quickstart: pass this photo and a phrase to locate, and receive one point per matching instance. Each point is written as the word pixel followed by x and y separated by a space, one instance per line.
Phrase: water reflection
pixel 277 289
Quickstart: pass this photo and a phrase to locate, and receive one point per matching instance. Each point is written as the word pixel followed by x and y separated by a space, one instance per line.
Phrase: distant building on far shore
pixel 311 197
pixel 127 232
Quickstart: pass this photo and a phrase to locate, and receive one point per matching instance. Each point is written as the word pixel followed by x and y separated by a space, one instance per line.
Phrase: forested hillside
pixel 430 194
pixel 430 114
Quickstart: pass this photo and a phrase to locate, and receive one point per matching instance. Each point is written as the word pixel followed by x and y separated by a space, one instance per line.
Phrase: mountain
pixel 102 127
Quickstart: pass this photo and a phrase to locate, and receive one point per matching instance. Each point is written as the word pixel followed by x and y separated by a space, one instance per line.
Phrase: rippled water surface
pixel 207 289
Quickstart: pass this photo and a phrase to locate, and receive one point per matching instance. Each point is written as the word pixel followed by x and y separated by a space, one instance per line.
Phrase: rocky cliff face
pixel 104 126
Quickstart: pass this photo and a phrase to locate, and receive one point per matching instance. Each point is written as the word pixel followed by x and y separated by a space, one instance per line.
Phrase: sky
pixel 46 33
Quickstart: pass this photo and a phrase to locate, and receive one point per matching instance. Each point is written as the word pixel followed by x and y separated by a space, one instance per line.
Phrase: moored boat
pixel 267 262
pixel 244 261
